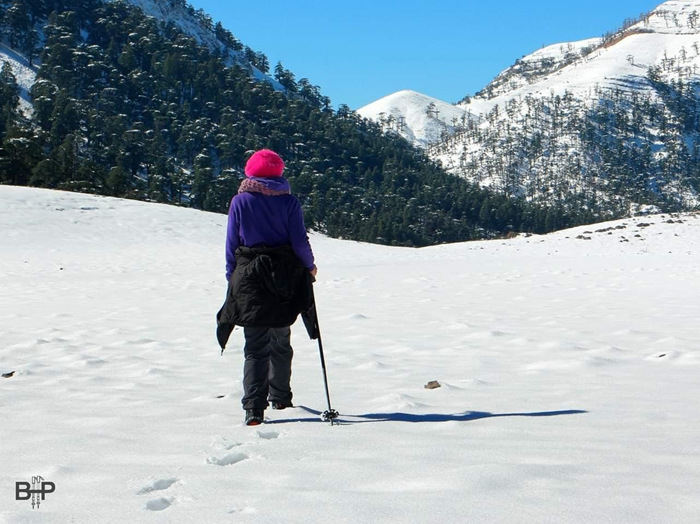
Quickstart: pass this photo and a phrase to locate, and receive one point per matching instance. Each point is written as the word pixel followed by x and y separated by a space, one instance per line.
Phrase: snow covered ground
pixel 569 371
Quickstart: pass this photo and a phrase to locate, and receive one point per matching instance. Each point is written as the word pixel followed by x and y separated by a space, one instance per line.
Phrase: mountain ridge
pixel 201 26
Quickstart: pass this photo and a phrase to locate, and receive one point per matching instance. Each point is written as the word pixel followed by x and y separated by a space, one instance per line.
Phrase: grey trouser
pixel 268 366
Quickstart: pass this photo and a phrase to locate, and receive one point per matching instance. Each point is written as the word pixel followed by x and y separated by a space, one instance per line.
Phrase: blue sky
pixel 361 50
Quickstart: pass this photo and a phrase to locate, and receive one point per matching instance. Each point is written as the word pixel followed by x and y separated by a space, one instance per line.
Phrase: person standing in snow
pixel 270 268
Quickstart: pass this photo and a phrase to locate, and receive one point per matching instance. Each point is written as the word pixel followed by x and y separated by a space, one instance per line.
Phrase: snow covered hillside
pixel 25 75
pixel 552 127
pixel 568 365
pixel 669 38
pixel 539 64
pixel 552 113
pixel 420 119
pixel 168 12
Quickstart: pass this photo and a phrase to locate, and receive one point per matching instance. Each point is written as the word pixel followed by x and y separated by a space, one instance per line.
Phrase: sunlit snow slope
pixel 24 74
pixel 411 115
pixel 568 366
pixel 669 38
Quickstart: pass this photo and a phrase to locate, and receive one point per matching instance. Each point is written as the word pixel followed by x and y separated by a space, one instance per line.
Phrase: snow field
pixel 568 369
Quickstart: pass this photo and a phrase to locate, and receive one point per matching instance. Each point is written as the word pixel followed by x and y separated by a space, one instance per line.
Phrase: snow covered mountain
pixel 667 38
pixel 603 124
pixel 421 119
pixel 568 375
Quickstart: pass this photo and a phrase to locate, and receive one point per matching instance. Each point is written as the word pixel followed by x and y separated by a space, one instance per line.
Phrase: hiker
pixel 270 269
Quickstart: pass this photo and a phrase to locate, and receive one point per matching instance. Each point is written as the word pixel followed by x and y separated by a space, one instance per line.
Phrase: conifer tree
pixel 9 98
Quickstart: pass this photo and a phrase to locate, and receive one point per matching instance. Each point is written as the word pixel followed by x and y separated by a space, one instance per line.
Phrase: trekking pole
pixel 331 414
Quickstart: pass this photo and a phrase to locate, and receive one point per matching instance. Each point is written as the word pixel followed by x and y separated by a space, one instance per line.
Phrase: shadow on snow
pixel 429 417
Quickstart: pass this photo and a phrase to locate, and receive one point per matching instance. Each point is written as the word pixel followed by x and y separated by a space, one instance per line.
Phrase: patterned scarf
pixel 267 186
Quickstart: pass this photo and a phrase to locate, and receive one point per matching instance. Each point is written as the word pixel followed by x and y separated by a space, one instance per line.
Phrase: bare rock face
pixel 433 384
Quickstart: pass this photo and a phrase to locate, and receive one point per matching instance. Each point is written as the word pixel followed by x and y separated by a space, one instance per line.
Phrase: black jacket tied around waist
pixel 269 288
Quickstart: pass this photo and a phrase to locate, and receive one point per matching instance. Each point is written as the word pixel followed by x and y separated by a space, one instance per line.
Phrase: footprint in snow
pixel 158 485
pixel 228 460
pixel 225 443
pixel 243 511
pixel 158 504
pixel 268 435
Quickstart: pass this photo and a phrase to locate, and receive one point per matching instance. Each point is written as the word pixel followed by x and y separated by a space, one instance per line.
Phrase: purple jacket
pixel 275 219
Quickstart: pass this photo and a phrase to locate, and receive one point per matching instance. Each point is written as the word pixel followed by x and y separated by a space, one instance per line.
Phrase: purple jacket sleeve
pixel 232 241
pixel 298 237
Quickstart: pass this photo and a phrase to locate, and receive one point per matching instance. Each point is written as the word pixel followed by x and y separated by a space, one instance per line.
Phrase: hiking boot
pixel 254 417
pixel 277 404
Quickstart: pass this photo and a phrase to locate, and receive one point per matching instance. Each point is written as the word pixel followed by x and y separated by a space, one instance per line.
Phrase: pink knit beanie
pixel 264 163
